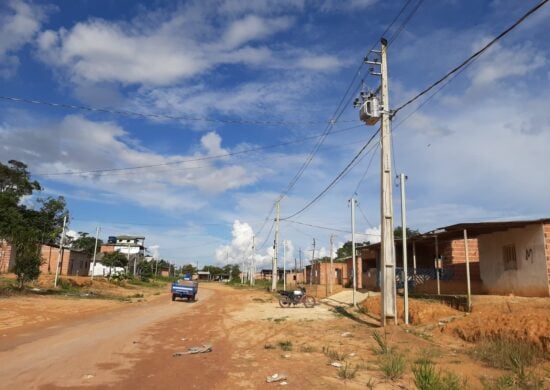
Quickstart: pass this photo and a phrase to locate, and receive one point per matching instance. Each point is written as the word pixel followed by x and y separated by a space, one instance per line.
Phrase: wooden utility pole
pixel 274 272
pixel 60 255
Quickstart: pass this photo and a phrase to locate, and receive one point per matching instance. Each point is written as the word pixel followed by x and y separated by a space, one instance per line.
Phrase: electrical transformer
pixel 370 110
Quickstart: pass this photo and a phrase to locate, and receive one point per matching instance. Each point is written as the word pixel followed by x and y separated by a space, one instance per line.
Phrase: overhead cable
pixel 337 178
pixel 129 113
pixel 473 56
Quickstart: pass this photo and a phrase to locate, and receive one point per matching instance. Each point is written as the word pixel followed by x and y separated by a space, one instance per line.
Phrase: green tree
pixel 398 232
pixel 145 269
pixel 344 251
pixel 86 244
pixel 188 269
pixel 114 259
pixel 26 228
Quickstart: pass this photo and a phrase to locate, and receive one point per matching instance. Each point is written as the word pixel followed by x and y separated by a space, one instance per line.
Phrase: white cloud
pixel 65 146
pixel 252 28
pixel 20 21
pixel 346 5
pixel 372 235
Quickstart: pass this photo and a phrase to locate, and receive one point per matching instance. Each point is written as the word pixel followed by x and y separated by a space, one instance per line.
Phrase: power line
pixel 245 151
pixel 328 228
pixel 128 113
pixel 365 216
pixel 404 22
pixel 366 170
pixel 267 237
pixel 473 56
pixel 337 178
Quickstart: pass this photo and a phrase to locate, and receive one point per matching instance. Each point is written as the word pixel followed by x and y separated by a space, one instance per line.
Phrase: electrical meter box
pixel 370 110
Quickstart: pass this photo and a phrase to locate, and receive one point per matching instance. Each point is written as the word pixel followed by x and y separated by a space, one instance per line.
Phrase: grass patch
pixel 427 377
pixel 285 345
pixel 512 355
pixel 307 348
pixel 333 354
pixel 392 364
pixel 347 371
pixel 529 381
pixel 269 346
pixel 381 342
pixel 280 319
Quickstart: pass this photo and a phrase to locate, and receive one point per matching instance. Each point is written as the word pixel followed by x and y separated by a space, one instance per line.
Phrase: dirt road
pixel 131 346
pixel 92 350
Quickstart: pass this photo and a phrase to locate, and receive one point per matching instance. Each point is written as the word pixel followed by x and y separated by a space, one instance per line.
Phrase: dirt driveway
pixel 132 347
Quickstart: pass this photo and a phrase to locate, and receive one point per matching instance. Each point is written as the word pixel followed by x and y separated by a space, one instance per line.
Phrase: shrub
pixel 285 345
pixel 348 371
pixel 392 364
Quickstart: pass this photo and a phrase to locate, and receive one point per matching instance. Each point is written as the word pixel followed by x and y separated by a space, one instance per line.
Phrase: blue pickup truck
pixel 185 288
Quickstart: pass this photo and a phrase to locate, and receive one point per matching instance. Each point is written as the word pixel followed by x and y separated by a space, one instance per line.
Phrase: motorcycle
pixel 296 297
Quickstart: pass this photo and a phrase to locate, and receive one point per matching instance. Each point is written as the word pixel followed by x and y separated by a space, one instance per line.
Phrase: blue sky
pixel 476 151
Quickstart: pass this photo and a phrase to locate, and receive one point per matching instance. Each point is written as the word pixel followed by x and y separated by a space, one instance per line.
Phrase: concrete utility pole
pixel 60 255
pixel 311 267
pixel 300 255
pixel 331 275
pixel 468 271
pixel 437 264
pixel 371 110
pixel 387 244
pixel 354 267
pixel 97 229
pixel 284 265
pixel 253 262
pixel 402 178
pixel 274 272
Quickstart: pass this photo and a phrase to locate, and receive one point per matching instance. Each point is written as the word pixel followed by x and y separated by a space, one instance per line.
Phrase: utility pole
pixel 97 229
pixel 311 266
pixel 402 178
pixel 371 110
pixel 300 255
pixel 284 265
pixel 354 267
pixel 60 255
pixel 331 275
pixel 274 271
pixel 253 262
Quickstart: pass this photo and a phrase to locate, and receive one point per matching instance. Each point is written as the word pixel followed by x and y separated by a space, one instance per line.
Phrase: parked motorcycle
pixel 296 297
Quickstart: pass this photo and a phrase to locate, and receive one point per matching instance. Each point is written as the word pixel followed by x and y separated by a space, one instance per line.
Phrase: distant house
pixel 73 262
pixel 132 245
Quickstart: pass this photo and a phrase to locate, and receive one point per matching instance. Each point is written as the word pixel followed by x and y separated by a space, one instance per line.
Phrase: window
pixel 509 257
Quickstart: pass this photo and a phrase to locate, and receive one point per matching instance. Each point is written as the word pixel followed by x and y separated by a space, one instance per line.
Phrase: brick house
pixel 7 257
pixel 73 262
pixel 507 257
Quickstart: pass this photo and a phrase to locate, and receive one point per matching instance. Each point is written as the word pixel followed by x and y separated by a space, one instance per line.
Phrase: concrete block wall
pixel 73 263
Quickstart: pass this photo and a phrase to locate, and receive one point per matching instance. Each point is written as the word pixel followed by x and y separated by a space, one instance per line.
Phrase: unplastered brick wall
pixel 546 230
pixel 454 253
pixel 7 256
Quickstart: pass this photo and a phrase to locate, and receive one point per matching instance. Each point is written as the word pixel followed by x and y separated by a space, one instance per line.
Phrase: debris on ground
pixel 275 378
pixel 337 364
pixel 193 350
pixel 346 334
